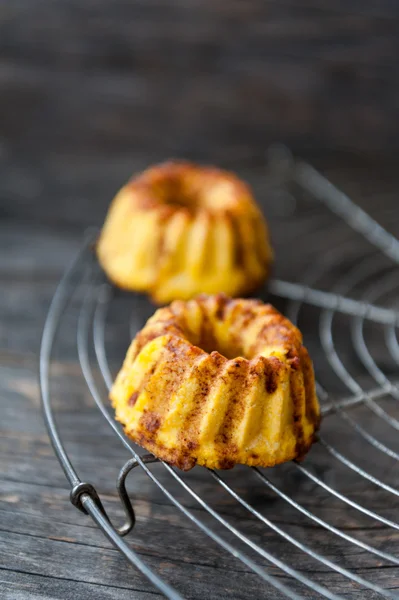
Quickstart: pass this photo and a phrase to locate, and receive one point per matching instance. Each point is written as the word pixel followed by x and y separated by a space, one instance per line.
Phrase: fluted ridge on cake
pixel 252 401
pixel 179 229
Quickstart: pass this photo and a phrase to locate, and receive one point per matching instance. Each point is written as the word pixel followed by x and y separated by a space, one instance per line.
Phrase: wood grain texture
pixel 206 79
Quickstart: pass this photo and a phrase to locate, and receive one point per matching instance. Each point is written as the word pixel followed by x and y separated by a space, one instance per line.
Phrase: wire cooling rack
pixel 350 326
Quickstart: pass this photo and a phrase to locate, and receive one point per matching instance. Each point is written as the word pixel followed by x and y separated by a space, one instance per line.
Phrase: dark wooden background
pixel 91 91
pixel 204 77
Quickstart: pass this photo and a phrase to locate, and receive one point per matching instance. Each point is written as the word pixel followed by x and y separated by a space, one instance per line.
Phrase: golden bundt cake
pixel 216 382
pixel 179 229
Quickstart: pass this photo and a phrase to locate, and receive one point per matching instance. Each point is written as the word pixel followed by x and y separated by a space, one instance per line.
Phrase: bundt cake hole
pixel 210 342
pixel 176 198
pixel 178 195
pixel 208 192
pixel 210 334
pixel 229 352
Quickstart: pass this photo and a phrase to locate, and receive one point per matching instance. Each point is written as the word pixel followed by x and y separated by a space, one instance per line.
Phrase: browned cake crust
pixel 217 381
pixel 179 229
pixel 181 185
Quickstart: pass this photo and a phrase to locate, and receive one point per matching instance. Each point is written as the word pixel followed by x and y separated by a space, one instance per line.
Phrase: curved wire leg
pixel 87 489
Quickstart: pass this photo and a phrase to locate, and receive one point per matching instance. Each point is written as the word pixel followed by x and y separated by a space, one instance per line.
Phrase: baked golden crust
pixel 179 229
pixel 217 382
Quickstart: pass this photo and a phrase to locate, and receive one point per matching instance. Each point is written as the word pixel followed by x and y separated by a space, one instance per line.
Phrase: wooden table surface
pixel 93 91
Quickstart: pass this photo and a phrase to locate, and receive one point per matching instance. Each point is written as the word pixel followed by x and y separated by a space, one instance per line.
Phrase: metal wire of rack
pixel 376 274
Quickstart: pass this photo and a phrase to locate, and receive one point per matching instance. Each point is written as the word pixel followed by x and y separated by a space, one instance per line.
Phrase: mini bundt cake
pixel 217 382
pixel 179 229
